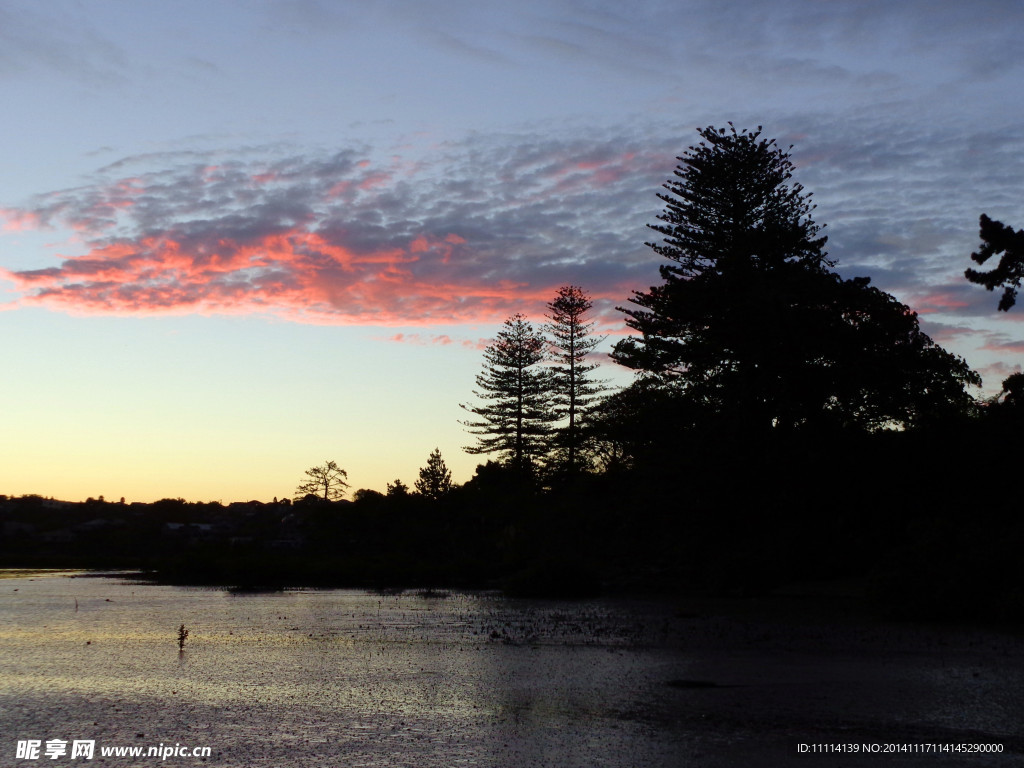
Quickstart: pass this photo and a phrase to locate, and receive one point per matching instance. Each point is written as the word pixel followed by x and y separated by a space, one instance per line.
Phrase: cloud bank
pixel 465 234
pixel 474 230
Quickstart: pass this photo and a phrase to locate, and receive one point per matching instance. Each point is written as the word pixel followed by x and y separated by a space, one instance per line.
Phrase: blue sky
pixel 240 238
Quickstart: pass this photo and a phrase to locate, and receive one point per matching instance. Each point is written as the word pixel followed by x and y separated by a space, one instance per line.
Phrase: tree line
pixel 784 424
pixel 537 390
pixel 751 333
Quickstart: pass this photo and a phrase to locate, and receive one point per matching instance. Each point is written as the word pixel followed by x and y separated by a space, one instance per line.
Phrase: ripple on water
pixel 346 677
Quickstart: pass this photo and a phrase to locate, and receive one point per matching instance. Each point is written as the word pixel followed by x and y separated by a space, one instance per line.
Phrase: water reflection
pixel 349 677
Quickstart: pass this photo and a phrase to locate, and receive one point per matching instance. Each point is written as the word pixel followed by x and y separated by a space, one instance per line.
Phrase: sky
pixel 239 238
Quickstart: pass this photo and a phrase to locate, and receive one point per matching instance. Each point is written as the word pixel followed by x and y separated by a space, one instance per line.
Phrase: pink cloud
pixel 423 340
pixel 341 189
pixel 374 180
pixel 337 240
pixel 999 343
pixel 15 220
pixel 296 274
pixel 938 302
pixel 995 373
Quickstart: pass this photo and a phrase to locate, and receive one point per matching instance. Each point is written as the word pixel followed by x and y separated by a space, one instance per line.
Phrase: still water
pixel 355 678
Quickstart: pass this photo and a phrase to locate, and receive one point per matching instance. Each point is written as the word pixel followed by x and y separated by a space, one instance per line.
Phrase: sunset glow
pixel 225 258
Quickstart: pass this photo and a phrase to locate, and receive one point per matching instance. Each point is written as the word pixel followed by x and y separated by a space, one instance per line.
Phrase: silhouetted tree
pixel 1012 393
pixel 326 482
pixel 515 419
pixel 574 391
pixel 732 227
pixel 1007 405
pixel 998 238
pixel 435 479
pixel 752 323
pixel 633 424
pixel 879 368
pixel 398 488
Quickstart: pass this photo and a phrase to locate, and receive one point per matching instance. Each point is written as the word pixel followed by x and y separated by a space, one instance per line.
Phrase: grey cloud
pixel 150 159
pixel 901 202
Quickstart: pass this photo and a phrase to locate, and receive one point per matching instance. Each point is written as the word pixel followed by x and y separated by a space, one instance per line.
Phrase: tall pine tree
pixel 751 322
pixel 514 420
pixel 574 391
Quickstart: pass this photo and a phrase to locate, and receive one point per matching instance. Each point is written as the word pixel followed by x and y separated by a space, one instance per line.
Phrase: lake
pixel 357 678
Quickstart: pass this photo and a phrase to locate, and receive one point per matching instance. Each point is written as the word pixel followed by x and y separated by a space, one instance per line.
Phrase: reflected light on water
pixel 354 677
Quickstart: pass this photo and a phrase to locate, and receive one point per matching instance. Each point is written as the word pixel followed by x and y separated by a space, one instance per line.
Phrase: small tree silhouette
pixel 327 481
pixel 435 479
pixel 182 636
pixel 398 488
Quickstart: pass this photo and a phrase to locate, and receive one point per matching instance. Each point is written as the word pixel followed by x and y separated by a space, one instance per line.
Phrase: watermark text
pixel 85 749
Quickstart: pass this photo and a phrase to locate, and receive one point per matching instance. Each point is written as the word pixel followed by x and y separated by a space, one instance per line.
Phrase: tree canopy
pixel 751 322
pixel 997 238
